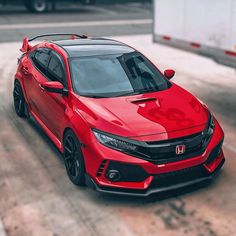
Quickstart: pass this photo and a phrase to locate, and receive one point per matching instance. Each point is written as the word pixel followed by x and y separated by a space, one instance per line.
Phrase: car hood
pixel 171 111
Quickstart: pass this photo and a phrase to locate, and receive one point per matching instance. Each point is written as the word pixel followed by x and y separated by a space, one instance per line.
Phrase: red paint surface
pixel 195 45
pixel 165 37
pixel 230 53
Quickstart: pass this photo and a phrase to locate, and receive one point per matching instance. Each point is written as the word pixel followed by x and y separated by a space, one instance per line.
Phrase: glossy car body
pixel 171 137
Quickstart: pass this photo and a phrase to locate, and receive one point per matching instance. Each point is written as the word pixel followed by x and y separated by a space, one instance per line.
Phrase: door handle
pixel 25 70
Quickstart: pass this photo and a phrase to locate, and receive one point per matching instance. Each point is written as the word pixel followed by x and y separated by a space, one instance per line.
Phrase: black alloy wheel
pixel 19 100
pixel 73 158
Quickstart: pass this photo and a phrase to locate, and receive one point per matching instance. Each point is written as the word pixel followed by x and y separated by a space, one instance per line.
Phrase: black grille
pixel 215 153
pixel 180 176
pixel 162 152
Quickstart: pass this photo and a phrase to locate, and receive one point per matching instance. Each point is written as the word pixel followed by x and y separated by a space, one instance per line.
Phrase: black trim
pixel 55 90
pixel 179 176
pixel 215 152
pixel 50 51
pixel 163 152
pixel 33 60
pixel 53 53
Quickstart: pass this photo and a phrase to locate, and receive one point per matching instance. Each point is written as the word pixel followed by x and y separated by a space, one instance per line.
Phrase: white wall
pixel 233 33
pixel 209 22
pixel 169 17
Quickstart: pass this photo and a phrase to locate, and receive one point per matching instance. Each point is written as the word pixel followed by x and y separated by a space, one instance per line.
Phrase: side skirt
pixel 54 139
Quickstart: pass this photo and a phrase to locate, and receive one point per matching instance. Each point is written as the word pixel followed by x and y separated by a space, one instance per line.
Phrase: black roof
pixel 92 47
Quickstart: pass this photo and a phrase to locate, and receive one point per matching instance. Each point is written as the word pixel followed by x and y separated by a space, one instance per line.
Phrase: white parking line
pixel 75 24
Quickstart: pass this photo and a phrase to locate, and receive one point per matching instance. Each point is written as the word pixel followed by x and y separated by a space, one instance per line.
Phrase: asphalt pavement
pixel 107 20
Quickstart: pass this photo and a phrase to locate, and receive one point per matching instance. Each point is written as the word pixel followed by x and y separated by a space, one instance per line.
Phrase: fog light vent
pixel 113 175
pixel 126 172
pixel 101 168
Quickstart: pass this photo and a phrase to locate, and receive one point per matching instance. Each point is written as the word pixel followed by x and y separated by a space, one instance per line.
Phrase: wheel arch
pixel 65 131
pixel 79 135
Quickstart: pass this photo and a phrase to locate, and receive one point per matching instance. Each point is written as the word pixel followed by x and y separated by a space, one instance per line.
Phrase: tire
pixel 73 159
pixel 38 6
pixel 19 100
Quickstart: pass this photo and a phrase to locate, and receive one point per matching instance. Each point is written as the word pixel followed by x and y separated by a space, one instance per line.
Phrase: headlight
pixel 115 143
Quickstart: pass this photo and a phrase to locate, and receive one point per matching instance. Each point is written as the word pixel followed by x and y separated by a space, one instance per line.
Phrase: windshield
pixel 115 75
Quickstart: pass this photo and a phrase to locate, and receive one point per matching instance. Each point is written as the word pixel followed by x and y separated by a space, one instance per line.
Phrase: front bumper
pixel 155 188
pixel 140 177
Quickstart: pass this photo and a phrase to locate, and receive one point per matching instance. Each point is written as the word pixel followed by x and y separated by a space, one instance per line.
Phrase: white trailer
pixel 207 27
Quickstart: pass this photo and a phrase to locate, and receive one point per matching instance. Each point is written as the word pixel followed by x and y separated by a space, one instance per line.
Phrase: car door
pixel 35 70
pixel 55 104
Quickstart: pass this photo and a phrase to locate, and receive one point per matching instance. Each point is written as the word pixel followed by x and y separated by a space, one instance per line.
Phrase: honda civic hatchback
pixel 119 122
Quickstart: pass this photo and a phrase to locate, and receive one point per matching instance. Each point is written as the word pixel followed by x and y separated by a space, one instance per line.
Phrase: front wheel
pixel 73 158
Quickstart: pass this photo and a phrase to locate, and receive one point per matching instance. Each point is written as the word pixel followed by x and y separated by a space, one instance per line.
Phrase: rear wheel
pixel 73 158
pixel 19 100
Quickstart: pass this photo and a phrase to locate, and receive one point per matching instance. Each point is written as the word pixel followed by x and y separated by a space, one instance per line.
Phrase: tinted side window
pixel 41 59
pixel 32 54
pixel 56 69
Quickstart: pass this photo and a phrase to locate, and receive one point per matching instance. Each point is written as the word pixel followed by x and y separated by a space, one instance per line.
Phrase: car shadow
pixel 33 127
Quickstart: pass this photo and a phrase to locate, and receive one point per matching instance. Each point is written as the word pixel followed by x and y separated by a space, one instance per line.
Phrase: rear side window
pixel 41 58
pixel 56 70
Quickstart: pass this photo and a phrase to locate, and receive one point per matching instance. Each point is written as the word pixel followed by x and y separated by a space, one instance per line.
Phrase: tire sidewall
pixel 80 179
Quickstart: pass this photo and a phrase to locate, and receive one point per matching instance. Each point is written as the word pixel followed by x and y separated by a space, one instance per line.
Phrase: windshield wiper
pixel 148 90
pixel 127 94
pixel 124 94
pixel 94 96
pixel 138 92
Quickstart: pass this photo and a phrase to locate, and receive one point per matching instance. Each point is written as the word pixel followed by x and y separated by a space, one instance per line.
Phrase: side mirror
pixel 169 74
pixel 54 87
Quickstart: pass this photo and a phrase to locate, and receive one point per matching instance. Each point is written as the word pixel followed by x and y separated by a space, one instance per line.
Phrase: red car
pixel 120 123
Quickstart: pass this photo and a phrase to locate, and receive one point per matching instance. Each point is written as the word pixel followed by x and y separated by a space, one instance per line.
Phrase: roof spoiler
pixel 25 46
pixel 72 36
